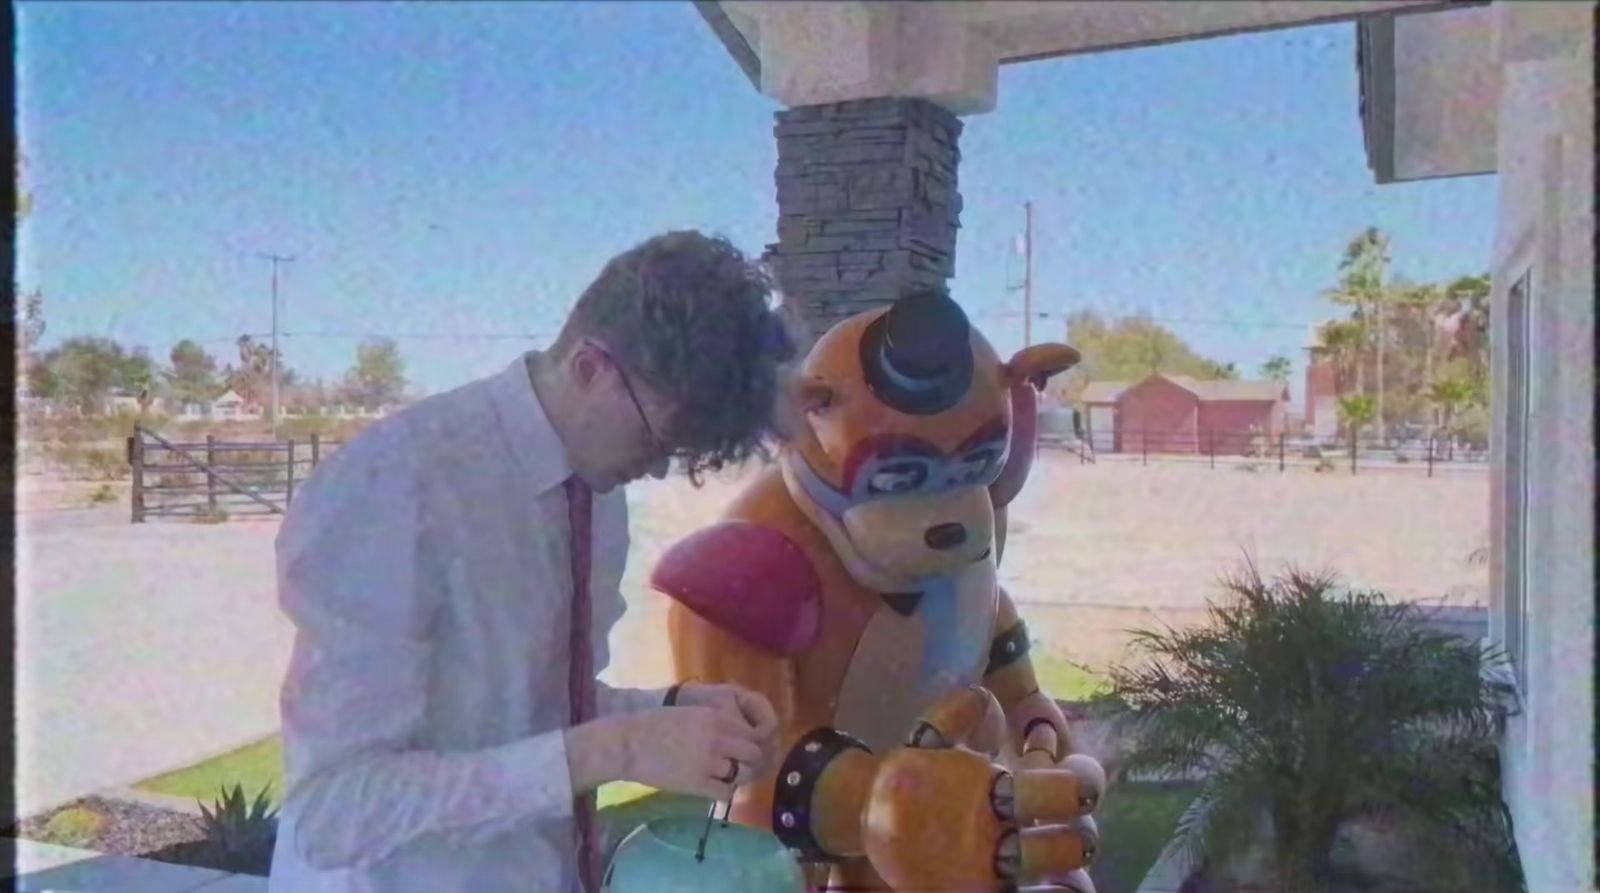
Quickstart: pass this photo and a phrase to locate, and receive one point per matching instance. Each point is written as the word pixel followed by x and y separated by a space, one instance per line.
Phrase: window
pixel 1518 407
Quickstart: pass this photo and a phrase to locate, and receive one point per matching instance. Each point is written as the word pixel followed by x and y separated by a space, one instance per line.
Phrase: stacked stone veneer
pixel 867 205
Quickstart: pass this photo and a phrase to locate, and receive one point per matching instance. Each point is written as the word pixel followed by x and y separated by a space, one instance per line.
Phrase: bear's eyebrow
pixel 883 446
pixel 987 433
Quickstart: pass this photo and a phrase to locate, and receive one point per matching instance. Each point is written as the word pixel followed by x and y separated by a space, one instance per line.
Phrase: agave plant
pixel 1308 708
pixel 242 835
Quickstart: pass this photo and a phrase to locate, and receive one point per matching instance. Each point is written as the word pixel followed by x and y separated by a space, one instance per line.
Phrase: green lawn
pixel 1061 679
pixel 1136 822
pixel 254 766
pixel 260 765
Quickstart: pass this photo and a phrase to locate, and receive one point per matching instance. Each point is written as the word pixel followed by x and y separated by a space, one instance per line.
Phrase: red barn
pixel 1178 414
pixel 1322 398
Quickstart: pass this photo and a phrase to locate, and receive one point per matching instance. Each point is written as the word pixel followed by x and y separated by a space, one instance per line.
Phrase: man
pixel 438 728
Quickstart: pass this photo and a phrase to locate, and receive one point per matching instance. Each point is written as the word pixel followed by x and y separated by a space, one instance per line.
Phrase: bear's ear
pixel 1037 363
pixel 811 395
pixel 798 398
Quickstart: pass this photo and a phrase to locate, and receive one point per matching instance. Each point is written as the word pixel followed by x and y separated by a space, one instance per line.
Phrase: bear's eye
pixel 897 477
pixel 974 465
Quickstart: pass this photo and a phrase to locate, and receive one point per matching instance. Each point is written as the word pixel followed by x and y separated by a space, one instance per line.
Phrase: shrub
pixel 87 462
pixel 1316 709
pixel 75 826
pixel 105 464
pixel 242 836
pixel 102 494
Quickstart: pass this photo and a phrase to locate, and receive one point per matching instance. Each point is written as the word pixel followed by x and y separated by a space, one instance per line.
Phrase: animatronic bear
pixel 854 585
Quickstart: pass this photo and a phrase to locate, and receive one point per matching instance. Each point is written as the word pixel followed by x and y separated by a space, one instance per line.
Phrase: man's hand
pixel 740 703
pixel 686 750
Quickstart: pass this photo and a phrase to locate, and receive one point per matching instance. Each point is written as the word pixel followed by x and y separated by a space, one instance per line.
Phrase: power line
pixel 1241 323
pixel 464 336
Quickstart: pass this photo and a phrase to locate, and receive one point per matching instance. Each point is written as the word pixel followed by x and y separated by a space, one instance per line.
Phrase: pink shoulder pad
pixel 748 579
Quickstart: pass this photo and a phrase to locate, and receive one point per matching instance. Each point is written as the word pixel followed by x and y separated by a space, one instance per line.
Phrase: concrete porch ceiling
pixel 813 51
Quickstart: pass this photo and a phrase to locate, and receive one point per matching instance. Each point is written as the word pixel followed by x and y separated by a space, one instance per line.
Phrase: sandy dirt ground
pixel 147 647
pixel 140 648
pixel 1098 549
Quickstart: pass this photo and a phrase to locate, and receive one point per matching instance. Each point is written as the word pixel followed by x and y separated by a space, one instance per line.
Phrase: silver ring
pixel 733 771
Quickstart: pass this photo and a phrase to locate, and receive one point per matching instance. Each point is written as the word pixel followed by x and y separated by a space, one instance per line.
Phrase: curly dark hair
pixel 691 316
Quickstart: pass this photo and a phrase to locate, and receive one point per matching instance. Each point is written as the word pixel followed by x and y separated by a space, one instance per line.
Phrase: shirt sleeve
pixel 358 578
pixel 611 532
pixel 611 701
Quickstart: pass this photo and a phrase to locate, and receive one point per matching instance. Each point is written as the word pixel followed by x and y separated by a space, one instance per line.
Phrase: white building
pixel 1448 89
pixel 1509 88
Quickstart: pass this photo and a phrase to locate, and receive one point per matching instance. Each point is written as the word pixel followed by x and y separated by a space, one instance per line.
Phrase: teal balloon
pixel 659 857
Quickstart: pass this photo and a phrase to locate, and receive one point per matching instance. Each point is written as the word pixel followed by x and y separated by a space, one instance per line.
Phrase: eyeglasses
pixel 657 446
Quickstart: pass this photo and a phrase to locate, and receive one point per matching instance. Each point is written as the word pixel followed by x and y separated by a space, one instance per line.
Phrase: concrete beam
pixel 1029 30
pixel 814 52
pixel 817 52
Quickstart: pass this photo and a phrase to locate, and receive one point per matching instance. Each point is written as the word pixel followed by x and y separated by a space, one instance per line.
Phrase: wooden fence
pixel 215 479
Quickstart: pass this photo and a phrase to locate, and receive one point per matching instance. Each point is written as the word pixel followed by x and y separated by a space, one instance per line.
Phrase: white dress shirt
pixel 425 566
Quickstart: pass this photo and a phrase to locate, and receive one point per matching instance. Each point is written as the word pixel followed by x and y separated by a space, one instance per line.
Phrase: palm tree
pixel 1427 307
pixel 1316 707
pixel 1363 285
pixel 1276 368
pixel 1450 395
pixel 1358 411
pixel 1467 300
pixel 1341 342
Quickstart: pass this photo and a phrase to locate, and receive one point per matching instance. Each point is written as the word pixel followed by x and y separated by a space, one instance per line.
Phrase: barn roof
pixel 1259 391
pixel 1104 391
pixel 1209 391
pixel 1219 390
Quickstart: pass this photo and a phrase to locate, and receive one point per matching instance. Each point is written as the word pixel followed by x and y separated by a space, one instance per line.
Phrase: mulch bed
pixel 148 832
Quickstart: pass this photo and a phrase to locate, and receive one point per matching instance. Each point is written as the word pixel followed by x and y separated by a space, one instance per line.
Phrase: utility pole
pixel 1027 277
pixel 275 259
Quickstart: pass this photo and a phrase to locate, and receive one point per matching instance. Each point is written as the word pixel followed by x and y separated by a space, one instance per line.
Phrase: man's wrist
pixel 598 753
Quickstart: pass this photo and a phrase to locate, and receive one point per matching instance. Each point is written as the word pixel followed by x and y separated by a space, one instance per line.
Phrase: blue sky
pixel 460 169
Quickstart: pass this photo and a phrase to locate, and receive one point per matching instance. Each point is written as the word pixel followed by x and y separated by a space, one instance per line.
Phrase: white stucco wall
pixel 1447 87
pixel 1545 150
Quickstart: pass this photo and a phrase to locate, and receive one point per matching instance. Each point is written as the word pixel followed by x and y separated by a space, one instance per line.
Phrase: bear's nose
pixel 945 536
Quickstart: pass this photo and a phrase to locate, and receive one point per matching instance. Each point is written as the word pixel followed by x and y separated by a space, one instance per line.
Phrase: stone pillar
pixel 867 205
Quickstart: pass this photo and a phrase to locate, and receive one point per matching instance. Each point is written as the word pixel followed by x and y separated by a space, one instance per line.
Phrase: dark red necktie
pixel 580 678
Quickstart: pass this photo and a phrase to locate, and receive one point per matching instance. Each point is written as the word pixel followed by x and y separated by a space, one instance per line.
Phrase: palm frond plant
pixel 242 833
pixel 1306 710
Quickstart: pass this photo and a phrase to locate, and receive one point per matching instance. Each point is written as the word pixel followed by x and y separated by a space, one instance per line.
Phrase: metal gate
pixel 216 480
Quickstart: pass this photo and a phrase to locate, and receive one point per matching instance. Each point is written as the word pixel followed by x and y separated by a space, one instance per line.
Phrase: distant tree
pixel 24 199
pixel 1133 347
pixel 1357 411
pixel 1363 286
pixel 312 395
pixel 378 377
pixel 1450 396
pixel 29 329
pixel 138 374
pixel 1276 368
pixel 1341 341
pixel 87 370
pixel 32 328
pixel 192 377
pixel 1467 300
pixel 251 379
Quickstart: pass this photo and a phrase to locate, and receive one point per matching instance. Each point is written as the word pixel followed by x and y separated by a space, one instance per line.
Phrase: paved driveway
pixel 140 648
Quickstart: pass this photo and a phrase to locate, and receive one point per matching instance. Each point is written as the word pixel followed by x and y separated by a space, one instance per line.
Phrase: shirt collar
pixel 531 437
